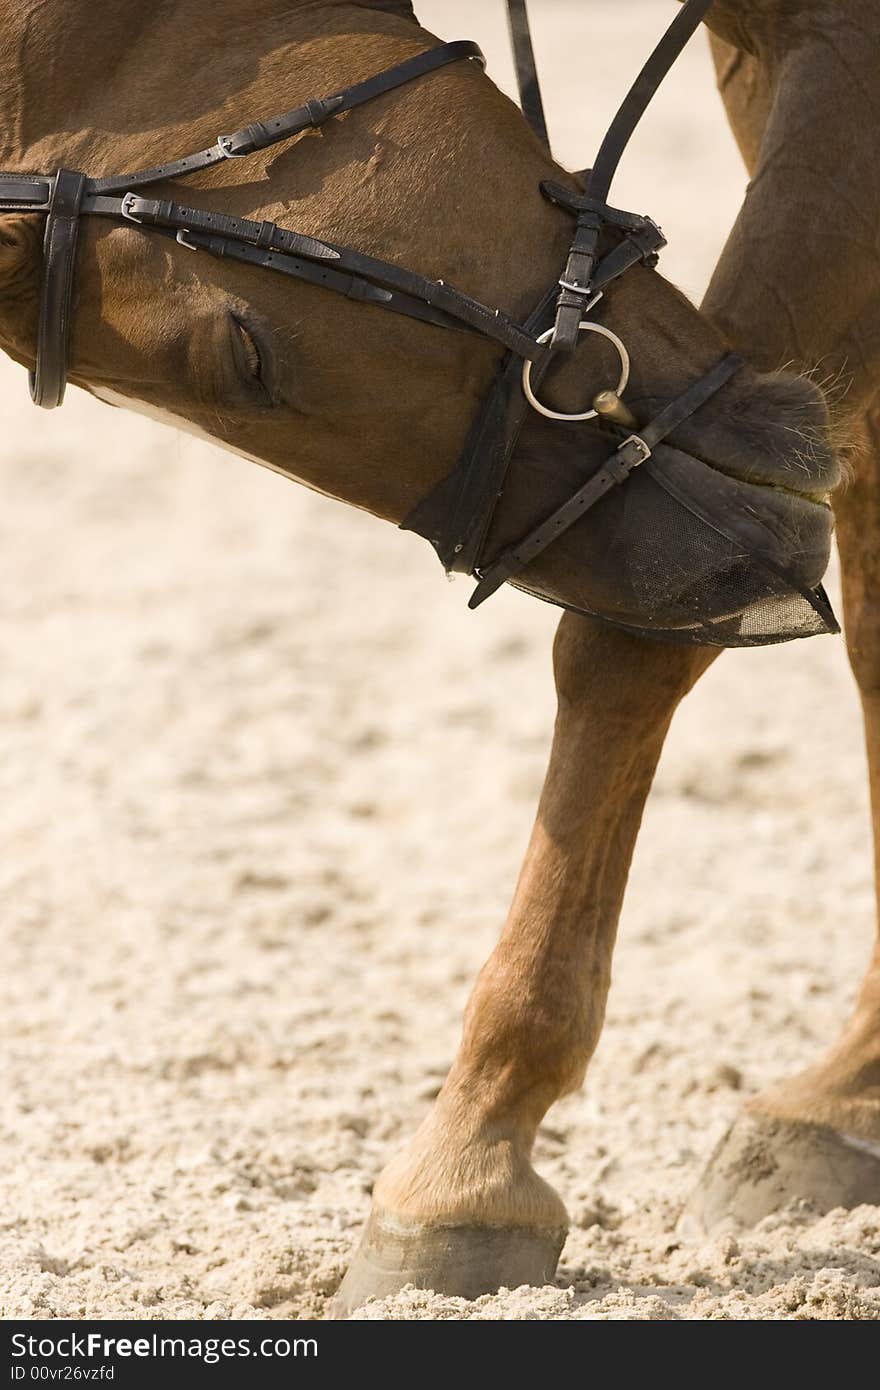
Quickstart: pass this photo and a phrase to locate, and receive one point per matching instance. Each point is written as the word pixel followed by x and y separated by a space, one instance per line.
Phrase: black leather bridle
pixel 455 516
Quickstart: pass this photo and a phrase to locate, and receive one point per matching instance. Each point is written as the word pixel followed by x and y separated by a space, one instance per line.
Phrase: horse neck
pixel 799 279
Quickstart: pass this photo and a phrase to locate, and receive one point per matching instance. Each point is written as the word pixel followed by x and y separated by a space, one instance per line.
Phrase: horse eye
pixel 247 352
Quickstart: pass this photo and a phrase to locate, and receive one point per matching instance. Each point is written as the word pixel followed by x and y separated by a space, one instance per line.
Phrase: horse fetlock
pixel 849 1104
pixel 467 1177
pixel 842 1090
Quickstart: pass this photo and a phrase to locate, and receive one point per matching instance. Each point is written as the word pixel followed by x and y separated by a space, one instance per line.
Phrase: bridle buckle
pixel 641 444
pixel 585 292
pixel 126 206
pixel 224 145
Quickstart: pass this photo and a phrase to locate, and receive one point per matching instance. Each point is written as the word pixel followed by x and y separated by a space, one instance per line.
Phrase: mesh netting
pixel 683 554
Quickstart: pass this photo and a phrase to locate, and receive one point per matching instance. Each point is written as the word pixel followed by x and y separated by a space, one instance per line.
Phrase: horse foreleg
pixel 462 1210
pixel 816 1136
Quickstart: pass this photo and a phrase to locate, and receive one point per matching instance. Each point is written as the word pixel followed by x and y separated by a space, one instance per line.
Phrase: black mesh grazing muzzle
pixel 686 554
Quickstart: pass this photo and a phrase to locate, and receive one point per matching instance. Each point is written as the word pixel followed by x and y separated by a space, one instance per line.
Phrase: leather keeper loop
pixel 266 236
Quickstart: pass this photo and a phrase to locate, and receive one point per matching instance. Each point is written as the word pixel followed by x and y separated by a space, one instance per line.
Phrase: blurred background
pixel 265 785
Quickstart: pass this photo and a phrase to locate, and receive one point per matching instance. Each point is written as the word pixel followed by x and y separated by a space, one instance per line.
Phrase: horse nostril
pixel 808 400
pixel 804 418
pixel 778 432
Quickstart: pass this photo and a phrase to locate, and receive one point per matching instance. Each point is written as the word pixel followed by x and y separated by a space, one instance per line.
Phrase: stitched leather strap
pixel 433 301
pixel 333 276
pixel 577 279
pixel 642 93
pixel 314 112
pixel 530 100
pixel 19 192
pixel 47 383
pixel 153 212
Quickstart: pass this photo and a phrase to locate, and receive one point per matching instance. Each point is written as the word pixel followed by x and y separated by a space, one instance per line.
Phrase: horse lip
pixel 817 498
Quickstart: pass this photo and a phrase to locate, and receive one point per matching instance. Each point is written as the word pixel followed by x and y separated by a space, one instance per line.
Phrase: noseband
pixel 457 514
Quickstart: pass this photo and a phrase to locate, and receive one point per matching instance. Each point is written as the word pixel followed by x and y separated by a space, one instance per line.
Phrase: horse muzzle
pixel 688 554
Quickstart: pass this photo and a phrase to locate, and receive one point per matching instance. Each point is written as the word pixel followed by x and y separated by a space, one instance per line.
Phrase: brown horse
pixel 443 177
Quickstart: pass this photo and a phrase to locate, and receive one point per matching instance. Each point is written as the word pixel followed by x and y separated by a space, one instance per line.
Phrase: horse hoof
pixel 762 1164
pixel 462 1260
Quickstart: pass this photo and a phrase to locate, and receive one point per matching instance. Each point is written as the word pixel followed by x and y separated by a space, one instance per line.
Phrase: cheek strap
pixel 47 383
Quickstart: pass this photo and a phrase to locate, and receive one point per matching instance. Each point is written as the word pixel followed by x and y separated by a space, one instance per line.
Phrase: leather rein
pixel 456 515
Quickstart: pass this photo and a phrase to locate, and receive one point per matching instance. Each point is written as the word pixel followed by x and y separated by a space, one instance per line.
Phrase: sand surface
pixel 264 788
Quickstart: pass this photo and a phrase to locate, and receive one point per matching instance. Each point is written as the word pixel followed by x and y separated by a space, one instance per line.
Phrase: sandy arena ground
pixel 264 788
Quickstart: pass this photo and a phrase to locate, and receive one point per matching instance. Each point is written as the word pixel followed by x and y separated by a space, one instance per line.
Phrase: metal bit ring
pixel 585 327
